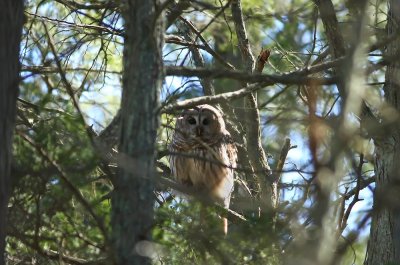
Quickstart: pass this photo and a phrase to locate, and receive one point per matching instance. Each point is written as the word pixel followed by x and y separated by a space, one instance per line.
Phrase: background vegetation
pixel 316 126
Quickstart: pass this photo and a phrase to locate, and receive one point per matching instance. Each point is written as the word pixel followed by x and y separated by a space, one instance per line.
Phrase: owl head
pixel 203 122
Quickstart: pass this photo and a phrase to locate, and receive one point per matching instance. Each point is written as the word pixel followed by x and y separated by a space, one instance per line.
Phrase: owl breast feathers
pixel 203 154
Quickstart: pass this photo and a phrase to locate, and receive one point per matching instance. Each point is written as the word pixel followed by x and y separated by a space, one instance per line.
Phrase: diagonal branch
pixel 175 11
pixel 224 97
pixel 208 48
pixel 68 184
pixel 256 153
pixel 67 85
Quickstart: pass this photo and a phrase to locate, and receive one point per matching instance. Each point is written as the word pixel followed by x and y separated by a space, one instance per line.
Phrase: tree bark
pixel 384 242
pixel 11 21
pixel 133 198
pixel 256 153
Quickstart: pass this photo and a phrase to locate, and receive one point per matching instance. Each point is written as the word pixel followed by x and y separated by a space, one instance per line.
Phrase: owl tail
pixel 225 225
pixel 203 217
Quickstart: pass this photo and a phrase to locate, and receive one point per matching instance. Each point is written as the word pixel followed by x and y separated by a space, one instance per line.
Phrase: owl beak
pixel 199 131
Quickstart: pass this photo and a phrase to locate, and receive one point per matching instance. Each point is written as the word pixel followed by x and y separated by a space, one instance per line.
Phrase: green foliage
pixel 191 233
pixel 62 184
pixel 356 254
pixel 53 155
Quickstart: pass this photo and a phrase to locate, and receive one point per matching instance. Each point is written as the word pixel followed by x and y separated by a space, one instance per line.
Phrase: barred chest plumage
pixel 209 169
pixel 203 154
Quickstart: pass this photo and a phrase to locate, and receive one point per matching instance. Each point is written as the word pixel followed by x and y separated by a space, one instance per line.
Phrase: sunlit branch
pixel 295 78
pixel 76 25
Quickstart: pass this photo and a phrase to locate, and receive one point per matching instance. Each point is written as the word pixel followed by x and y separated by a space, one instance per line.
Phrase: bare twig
pixel 278 172
pixel 208 48
pixel 197 57
pixel 282 158
pixel 175 11
pixel 59 22
pixel 67 85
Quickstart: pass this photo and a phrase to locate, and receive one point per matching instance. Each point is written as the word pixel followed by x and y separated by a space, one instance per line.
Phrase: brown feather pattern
pixel 204 160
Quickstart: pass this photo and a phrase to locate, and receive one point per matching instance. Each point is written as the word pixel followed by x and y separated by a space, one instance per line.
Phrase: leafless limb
pixel 76 25
pixel 68 86
pixel 356 192
pixel 292 78
pixel 223 97
pixel 175 11
pixel 208 48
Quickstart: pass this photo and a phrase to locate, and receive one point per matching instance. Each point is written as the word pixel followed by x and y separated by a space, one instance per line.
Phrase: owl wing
pixel 177 165
pixel 225 187
pixel 231 150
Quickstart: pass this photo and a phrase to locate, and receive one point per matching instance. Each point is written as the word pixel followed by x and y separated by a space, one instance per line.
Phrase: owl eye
pixel 191 120
pixel 206 121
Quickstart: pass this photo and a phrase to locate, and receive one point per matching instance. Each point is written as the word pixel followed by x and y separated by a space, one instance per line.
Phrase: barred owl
pixel 203 154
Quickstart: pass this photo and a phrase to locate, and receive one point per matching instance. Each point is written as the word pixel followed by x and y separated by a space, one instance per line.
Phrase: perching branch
pixel 223 97
pixel 292 78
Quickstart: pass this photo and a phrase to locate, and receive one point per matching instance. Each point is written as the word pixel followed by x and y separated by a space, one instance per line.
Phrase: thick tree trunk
pixel 11 20
pixel 384 242
pixel 133 198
